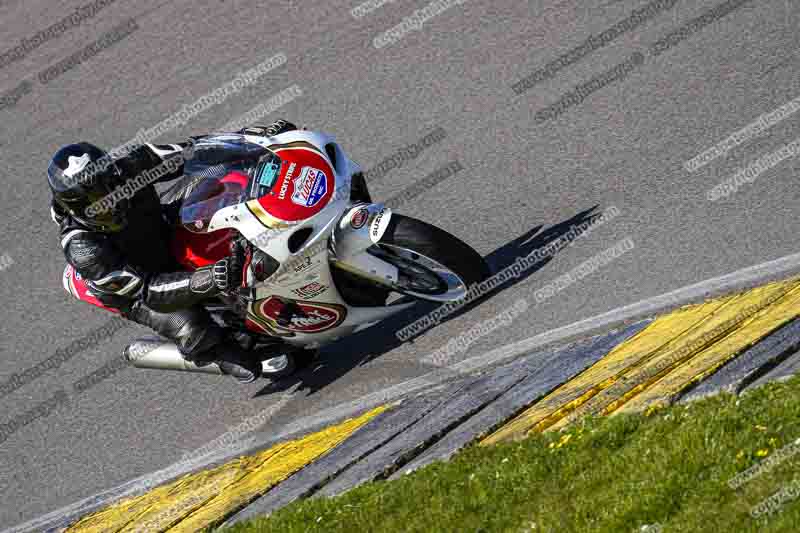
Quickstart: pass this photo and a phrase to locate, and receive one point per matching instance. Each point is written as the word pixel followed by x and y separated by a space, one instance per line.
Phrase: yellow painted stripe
pixel 206 498
pixel 579 390
pixel 724 321
pixel 709 360
pixel 669 344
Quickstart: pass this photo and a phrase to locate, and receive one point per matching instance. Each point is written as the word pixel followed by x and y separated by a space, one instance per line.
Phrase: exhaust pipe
pixel 164 355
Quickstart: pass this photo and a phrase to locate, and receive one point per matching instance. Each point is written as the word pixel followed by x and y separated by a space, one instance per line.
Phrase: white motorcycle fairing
pixel 340 234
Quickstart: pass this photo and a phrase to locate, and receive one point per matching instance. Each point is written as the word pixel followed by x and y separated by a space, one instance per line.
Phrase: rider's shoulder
pixel 73 233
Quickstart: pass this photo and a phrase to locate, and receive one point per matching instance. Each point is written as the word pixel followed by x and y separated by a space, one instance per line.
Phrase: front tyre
pixel 432 264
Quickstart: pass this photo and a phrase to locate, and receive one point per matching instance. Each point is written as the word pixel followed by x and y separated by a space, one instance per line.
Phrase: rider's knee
pixel 196 341
pixel 192 329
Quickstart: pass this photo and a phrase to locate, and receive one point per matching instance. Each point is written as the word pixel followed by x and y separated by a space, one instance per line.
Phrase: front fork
pixel 361 227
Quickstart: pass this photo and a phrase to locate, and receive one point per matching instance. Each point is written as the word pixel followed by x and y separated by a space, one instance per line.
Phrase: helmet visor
pixel 89 197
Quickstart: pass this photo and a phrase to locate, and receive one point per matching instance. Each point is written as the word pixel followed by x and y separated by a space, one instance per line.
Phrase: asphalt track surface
pixel 624 145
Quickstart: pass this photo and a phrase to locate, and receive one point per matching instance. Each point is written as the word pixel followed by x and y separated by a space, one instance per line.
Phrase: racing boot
pixel 235 361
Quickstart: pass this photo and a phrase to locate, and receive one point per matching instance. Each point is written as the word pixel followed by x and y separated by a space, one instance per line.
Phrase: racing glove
pixel 228 273
pixel 168 292
pixel 276 128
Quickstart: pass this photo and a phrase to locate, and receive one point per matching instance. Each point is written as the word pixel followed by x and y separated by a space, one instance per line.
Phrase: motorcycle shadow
pixel 339 358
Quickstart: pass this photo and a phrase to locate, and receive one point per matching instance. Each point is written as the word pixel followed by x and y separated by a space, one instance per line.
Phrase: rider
pixel 120 247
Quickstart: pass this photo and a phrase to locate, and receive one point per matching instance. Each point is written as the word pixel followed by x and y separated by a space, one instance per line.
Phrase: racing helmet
pixel 80 175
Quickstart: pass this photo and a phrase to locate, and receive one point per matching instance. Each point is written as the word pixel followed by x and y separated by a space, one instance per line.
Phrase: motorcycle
pixel 321 260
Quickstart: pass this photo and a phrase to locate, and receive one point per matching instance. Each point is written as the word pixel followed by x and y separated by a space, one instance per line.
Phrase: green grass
pixel 669 468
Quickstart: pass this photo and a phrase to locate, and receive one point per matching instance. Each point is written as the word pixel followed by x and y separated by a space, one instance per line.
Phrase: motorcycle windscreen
pixel 210 195
pixel 229 170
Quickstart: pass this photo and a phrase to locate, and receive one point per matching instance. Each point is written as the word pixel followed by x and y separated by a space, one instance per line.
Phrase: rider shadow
pixel 361 348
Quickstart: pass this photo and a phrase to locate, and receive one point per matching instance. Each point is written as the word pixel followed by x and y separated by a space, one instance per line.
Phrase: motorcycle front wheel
pixel 432 264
